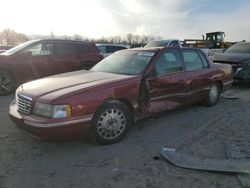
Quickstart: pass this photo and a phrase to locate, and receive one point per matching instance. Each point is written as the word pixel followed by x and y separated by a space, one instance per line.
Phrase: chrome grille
pixel 23 103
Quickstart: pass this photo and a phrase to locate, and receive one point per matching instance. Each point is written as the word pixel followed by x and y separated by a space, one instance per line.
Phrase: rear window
pixel 239 48
pixel 156 44
pixel 112 49
pixel 174 44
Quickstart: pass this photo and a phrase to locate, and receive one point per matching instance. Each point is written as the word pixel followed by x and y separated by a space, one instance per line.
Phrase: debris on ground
pixel 238 160
pixel 185 160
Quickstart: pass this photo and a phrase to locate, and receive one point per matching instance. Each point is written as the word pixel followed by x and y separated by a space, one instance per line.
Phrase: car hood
pixel 62 84
pixel 231 57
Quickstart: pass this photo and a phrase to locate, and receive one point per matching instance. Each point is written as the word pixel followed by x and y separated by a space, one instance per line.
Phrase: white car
pixel 108 49
pixel 164 43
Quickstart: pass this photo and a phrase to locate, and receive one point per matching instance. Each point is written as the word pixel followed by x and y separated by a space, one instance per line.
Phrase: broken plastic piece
pixel 185 160
pixel 244 179
pixel 239 149
pixel 229 97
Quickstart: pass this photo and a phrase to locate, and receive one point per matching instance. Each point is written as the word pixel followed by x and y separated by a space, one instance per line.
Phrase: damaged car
pixel 123 88
pixel 238 56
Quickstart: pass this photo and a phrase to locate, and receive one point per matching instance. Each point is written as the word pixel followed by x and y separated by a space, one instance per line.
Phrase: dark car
pixel 238 56
pixel 108 49
pixel 126 86
pixel 40 58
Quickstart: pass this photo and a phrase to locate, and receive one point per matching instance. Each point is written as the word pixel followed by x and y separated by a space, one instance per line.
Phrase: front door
pixel 168 88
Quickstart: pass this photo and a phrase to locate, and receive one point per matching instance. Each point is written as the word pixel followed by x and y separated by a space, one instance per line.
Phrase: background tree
pixel 77 37
pixel 10 37
pixel 129 38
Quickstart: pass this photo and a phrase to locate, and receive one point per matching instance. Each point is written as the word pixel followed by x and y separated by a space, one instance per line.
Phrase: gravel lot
pixel 134 162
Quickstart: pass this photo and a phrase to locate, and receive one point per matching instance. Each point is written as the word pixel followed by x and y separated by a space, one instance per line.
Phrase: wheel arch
pixel 220 83
pixel 124 101
pixel 9 72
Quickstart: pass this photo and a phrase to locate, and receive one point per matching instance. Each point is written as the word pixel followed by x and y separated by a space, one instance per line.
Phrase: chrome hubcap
pixel 111 124
pixel 5 84
pixel 213 93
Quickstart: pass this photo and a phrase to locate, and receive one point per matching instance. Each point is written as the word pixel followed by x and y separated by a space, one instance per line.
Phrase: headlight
pixel 52 111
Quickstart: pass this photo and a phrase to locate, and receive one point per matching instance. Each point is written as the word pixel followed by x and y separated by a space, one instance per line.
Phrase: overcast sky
pixel 96 18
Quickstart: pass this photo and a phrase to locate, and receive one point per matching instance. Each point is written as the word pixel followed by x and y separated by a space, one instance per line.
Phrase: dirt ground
pixel 132 163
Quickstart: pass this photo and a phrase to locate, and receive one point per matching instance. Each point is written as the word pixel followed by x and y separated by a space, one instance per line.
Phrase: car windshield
pixel 18 48
pixel 125 62
pixel 239 48
pixel 156 44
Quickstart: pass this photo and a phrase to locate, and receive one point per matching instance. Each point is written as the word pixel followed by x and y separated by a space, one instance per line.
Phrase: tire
pixel 213 95
pixel 7 83
pixel 111 122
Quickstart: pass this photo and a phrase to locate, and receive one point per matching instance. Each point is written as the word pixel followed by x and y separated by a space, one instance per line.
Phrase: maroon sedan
pixel 39 58
pixel 125 87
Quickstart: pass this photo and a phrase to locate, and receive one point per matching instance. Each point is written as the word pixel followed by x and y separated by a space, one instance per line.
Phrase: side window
pixel 67 49
pixel 169 62
pixel 42 49
pixel 111 49
pixel 192 60
pixel 102 49
pixel 121 48
pixel 204 60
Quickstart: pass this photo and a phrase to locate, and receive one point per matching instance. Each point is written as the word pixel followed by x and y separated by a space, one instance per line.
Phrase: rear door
pixel 168 88
pixel 71 56
pixel 197 74
pixel 68 56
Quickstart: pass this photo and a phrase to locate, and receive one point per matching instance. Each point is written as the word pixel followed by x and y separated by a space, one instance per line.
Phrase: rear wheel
pixel 213 95
pixel 7 83
pixel 111 122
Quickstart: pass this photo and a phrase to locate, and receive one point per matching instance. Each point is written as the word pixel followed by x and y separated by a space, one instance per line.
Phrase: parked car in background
pixel 127 86
pixel 164 43
pixel 5 48
pixel 238 56
pixel 108 49
pixel 40 58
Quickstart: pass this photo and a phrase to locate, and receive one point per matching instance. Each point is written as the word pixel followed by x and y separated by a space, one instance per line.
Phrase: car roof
pixel 145 49
pixel 160 48
pixel 165 40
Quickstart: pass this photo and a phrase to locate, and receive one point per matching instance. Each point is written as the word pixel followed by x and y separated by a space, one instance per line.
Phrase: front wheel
pixel 213 95
pixel 111 122
pixel 7 83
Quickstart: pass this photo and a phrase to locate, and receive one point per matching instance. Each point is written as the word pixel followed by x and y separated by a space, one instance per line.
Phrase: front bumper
pixel 51 129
